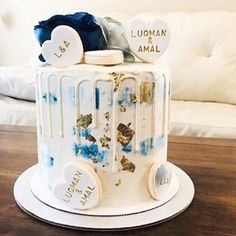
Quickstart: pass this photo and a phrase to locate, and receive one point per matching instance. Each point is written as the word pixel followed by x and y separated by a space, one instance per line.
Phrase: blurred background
pixel 18 17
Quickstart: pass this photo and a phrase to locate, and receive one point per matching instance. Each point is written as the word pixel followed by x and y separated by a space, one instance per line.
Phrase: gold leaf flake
pixel 118 182
pixel 104 141
pixel 117 78
pixel 127 165
pixel 106 164
pixel 107 128
pixel 124 134
pixel 84 121
pixel 107 115
pixel 122 108
pixel 133 97
pixel 146 92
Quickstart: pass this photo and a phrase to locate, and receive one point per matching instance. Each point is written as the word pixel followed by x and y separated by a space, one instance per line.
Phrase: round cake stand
pixel 34 207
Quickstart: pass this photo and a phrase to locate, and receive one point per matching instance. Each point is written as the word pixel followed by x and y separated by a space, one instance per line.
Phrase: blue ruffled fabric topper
pixel 96 33
pixel 84 23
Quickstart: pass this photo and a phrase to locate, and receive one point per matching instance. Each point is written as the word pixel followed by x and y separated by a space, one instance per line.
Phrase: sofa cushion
pixel 18 82
pixel 17 112
pixel 201 55
pixel 203 119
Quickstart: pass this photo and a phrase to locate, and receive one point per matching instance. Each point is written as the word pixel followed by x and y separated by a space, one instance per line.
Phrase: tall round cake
pixel 102 133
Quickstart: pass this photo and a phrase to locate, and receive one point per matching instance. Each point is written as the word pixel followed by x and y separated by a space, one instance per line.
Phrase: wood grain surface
pixel 211 163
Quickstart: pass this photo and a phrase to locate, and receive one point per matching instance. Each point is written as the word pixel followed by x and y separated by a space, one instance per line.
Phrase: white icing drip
pixel 40 104
pixel 37 106
pixel 60 100
pixel 169 104
pixel 114 124
pixel 38 111
pixel 77 105
pixel 114 138
pixel 155 114
pixel 94 110
pixel 40 123
pixel 165 103
pixel 49 109
pixel 137 111
pixel 163 107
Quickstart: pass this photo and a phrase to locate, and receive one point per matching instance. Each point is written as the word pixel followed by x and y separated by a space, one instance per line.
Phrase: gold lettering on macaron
pixel 62 48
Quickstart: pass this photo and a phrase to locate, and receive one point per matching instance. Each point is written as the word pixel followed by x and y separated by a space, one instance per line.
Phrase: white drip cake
pixel 102 134
pixel 102 130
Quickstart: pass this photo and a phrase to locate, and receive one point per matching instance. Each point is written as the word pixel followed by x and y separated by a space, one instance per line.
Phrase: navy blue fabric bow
pixel 84 23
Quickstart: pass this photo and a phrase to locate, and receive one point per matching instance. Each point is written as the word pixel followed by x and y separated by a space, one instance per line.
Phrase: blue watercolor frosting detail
pixel 73 130
pixel 49 97
pixel 50 161
pixel 76 149
pixel 124 97
pixel 128 148
pixel 97 93
pixel 47 160
pixel 160 141
pixel 85 133
pixel 90 152
pixel 146 146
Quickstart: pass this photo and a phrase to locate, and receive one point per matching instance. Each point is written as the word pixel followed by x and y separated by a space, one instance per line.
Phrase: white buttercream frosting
pixel 114 118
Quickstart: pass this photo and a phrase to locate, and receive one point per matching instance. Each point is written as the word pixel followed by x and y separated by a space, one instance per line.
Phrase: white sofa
pixel 202 58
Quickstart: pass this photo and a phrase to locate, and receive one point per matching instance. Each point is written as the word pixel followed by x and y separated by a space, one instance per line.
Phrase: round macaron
pixel 79 186
pixel 159 180
pixel 104 57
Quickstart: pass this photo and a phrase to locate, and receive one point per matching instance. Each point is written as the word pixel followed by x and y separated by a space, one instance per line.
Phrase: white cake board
pixel 34 207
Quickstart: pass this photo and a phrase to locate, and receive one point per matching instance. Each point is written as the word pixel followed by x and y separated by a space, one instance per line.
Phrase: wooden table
pixel 211 164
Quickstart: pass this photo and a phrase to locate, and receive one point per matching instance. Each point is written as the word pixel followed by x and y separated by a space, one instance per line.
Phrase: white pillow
pixel 18 82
